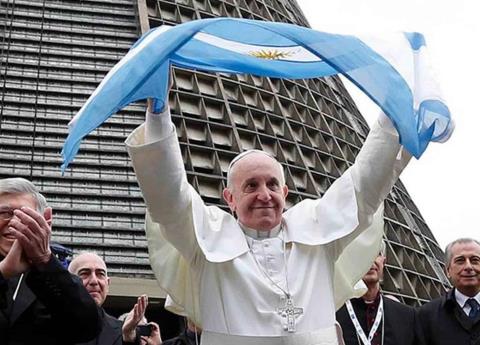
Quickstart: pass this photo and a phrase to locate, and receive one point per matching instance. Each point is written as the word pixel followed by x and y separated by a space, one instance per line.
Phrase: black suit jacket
pixel 51 307
pixel 399 325
pixel 111 333
pixel 187 337
pixel 443 322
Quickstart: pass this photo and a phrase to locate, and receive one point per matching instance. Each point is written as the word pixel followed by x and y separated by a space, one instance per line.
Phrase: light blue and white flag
pixel 392 70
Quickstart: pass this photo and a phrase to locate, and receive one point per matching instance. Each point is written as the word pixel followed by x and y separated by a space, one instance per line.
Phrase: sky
pixel 444 183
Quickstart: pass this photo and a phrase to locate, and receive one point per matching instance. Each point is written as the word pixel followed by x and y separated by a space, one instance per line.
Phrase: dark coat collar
pixel 111 332
pixel 452 307
pixel 449 301
pixel 25 297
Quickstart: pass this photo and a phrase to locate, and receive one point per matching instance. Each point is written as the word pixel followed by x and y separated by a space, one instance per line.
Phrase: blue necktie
pixel 474 311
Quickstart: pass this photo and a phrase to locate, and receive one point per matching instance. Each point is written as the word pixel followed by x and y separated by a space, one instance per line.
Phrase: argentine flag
pixel 391 69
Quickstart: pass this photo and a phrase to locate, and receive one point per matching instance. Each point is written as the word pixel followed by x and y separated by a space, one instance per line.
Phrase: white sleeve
pixel 158 165
pixel 376 169
pixel 158 125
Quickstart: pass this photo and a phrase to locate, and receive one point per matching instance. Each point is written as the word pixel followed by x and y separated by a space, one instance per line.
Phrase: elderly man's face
pixel 375 273
pixel 257 194
pixel 9 203
pixel 92 271
pixel 464 268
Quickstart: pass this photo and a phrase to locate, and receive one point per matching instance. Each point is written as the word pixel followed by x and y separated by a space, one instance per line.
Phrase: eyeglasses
pixel 6 214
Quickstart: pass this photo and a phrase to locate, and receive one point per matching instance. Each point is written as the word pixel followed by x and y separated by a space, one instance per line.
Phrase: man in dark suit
pixel 92 270
pixel 375 319
pixel 454 319
pixel 40 301
pixel 191 335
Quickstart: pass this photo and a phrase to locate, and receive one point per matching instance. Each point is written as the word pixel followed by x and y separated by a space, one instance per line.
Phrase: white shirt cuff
pixel 158 125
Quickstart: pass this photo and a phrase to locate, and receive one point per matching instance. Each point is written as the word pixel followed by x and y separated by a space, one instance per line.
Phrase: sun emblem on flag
pixel 271 54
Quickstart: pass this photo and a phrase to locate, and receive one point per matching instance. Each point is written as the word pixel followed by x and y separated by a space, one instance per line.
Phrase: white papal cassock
pixel 216 275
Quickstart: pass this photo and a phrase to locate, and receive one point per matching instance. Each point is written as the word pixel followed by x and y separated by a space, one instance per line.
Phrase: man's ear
pixel 48 215
pixel 384 260
pixel 228 197
pixel 285 191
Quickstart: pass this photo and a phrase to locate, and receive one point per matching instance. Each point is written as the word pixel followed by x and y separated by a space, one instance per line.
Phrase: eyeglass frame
pixel 7 213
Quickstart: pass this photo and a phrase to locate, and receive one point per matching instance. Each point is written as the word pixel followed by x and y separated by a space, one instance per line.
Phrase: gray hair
pixel 18 185
pixel 448 248
pixel 383 248
pixel 242 155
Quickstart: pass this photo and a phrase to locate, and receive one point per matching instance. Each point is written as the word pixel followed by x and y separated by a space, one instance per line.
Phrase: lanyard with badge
pixel 361 334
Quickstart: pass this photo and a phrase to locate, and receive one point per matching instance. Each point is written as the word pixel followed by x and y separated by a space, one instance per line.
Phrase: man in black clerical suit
pixel 92 270
pixel 454 319
pixel 375 319
pixel 41 303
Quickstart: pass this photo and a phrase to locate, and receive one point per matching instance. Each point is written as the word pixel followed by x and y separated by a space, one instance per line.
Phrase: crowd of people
pixel 256 276
pixel 41 302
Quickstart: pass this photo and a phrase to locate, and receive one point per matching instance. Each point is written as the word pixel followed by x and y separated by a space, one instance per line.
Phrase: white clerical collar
pixel 261 234
pixel 462 299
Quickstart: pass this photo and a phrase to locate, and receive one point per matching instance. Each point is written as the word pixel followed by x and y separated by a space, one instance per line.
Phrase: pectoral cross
pixel 290 312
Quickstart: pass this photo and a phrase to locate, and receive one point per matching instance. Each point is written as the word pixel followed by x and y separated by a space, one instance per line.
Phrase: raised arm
pixel 158 164
pixel 376 169
pixel 157 160
pixel 378 166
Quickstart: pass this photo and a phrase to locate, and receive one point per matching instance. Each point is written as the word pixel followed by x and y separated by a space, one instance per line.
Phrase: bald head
pixel 91 269
pixel 84 258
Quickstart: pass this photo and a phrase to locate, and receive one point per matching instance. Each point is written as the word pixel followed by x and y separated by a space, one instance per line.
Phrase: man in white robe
pixel 270 277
